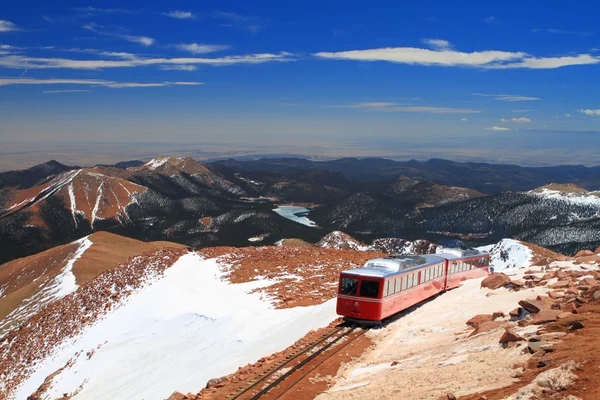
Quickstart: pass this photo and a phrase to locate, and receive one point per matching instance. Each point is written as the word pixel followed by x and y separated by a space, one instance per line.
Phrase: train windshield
pixel 369 288
pixel 348 286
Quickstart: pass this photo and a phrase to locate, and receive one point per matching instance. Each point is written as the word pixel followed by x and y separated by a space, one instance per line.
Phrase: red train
pixel 386 286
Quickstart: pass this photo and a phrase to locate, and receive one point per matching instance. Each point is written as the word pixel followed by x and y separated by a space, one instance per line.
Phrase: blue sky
pixel 501 81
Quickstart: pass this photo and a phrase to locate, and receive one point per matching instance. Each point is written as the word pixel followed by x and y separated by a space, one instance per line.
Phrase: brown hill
pixel 86 192
pixel 31 283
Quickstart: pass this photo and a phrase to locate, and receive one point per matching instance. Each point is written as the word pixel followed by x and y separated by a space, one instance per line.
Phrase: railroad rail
pixel 295 362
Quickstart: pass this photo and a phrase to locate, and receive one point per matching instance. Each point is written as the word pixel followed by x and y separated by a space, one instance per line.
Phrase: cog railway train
pixel 385 286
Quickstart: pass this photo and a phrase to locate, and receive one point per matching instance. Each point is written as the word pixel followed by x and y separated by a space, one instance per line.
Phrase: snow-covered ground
pixel 176 334
pixel 508 254
pixel 290 212
pixel 583 197
pixel 49 291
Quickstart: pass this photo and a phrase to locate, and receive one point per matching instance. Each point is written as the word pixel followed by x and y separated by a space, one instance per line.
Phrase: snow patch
pixel 508 254
pixel 176 334
pixel 589 198
pixel 156 162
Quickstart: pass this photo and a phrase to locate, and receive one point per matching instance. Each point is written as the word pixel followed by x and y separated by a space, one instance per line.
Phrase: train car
pixel 385 286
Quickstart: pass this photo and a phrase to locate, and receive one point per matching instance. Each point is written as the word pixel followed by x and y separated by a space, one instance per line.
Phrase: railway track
pixel 278 381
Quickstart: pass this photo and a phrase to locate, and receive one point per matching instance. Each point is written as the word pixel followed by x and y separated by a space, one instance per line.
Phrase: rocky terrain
pixel 501 334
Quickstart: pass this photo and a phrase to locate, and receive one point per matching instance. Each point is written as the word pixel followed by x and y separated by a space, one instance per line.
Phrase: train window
pixel 386 287
pixel 410 281
pixel 404 282
pixel 369 288
pixel 348 286
pixel 397 285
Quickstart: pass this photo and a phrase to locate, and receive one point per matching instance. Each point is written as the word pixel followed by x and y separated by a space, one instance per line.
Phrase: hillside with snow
pixel 145 329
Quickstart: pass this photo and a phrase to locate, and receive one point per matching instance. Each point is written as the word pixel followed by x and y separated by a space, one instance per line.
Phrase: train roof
pixel 387 266
pixel 454 253
pixel 392 265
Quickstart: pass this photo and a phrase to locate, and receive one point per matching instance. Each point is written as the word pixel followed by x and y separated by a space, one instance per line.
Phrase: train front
pixel 359 297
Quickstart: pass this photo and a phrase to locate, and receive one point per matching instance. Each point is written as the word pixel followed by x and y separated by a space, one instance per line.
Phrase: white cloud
pixel 503 120
pixel 491 59
pixel 252 24
pixel 143 40
pixel 491 20
pixel 522 120
pixel 464 119
pixel 196 48
pixel 66 91
pixel 395 107
pixel 498 128
pixel 507 97
pixel 97 11
pixel 437 44
pixel 22 62
pixel 562 32
pixel 178 67
pixel 591 113
pixel 567 115
pixel 180 14
pixel 521 111
pixel 90 82
pixel 7 26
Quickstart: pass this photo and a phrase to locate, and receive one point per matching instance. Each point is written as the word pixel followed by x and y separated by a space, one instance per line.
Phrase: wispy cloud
pixel 437 44
pixel 98 29
pixel 464 119
pixel 521 111
pixel 522 120
pixel 91 82
pixel 178 67
pixel 235 20
pixel 93 11
pixel 7 26
pixel 492 20
pixel 384 106
pixel 66 91
pixel 22 62
pixel 507 97
pixel 180 14
pixel 196 48
pixel 489 59
pixel 562 32
pixel 498 128
pixel 591 113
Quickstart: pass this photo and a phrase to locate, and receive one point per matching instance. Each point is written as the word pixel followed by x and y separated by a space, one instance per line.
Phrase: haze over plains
pixel 475 82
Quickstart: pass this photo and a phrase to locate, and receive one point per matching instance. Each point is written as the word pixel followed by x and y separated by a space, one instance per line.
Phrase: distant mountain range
pixel 231 202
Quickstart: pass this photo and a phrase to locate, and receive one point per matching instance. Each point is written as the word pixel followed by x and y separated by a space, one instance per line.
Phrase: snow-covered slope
pixel 568 192
pixel 341 241
pixel 51 287
pixel 508 254
pixel 184 329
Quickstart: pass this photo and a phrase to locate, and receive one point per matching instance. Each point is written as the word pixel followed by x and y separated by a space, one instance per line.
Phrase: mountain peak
pixel 172 165
pixel 563 188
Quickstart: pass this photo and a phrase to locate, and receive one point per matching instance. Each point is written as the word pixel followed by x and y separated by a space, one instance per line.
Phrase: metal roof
pixel 387 266
pixel 392 265
pixel 454 253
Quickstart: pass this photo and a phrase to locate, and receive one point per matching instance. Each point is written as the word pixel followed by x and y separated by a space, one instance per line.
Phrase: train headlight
pixel 356 304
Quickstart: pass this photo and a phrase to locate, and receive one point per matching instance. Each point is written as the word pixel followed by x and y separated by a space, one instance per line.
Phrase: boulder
pixel 516 313
pixel 555 295
pixel 560 274
pixel 486 327
pixel 597 251
pixel 510 336
pixel 572 290
pixel 541 262
pixel 583 253
pixel 216 382
pixel 479 319
pixel 545 316
pixel 177 396
pixel 589 282
pixel 535 306
pixel 517 283
pixel 565 324
pixel 495 281
pixel 560 285
pixel 498 314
